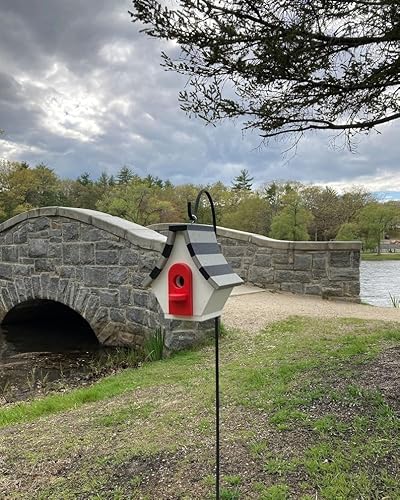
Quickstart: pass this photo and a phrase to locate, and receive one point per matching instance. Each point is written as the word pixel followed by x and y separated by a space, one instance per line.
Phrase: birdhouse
pixel 192 280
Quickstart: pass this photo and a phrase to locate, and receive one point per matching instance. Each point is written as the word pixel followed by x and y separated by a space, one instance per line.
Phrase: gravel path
pixel 249 309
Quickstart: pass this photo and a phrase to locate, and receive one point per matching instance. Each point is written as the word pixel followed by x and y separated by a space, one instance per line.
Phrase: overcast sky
pixel 82 90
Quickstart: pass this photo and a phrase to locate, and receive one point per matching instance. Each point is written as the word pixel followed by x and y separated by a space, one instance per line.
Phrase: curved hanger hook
pixel 193 215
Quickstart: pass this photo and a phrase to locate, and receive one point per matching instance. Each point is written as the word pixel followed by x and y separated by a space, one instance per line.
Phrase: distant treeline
pixel 283 210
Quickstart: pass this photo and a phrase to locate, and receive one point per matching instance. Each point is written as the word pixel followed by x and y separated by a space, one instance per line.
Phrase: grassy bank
pixel 309 408
pixel 382 256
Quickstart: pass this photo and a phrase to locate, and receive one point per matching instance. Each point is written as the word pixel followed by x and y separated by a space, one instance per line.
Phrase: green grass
pixel 172 371
pixel 293 409
pixel 382 256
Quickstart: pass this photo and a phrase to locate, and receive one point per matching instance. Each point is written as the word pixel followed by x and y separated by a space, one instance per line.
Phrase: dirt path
pixel 250 309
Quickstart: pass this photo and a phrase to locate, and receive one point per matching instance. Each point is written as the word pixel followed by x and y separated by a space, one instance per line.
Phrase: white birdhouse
pixel 192 280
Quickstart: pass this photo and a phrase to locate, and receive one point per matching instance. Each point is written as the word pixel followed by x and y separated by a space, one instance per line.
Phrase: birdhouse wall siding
pixel 202 290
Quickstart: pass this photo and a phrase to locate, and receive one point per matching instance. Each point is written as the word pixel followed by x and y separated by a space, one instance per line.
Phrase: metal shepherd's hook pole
pixel 193 218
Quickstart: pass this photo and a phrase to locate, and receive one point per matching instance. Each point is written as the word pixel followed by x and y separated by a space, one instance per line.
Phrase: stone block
pixel 38 247
pixel 140 298
pixel 36 286
pixel 259 275
pixel 86 253
pixel 44 284
pixel 12 293
pixel 22 270
pixel 110 245
pixel 66 271
pixel 40 224
pixel 263 260
pixel 20 236
pixel 6 271
pixel 351 289
pixel 128 257
pixel 302 262
pixel 8 238
pixel 91 307
pixel 331 291
pixel 136 279
pixel 319 262
pixel 71 253
pixel 79 273
pixel 355 259
pixel 318 274
pixel 71 231
pixel 81 298
pixel 343 274
pixel 46 265
pixel 6 299
pixel 280 258
pixel 21 290
pixel 53 287
pixel 136 315
pixel 28 287
pixel 9 253
pixel 125 295
pixel 96 277
pixel 235 262
pixel 54 251
pixel 296 288
pixel 284 276
pixel 339 259
pixel 313 289
pixel 100 321
pixel 117 275
pixel 117 315
pixel 107 257
pixel 234 251
pixel 22 251
pixel 109 298
pixel 62 287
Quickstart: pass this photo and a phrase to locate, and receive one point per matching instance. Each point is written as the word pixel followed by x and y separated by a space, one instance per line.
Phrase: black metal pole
pixel 193 218
pixel 217 405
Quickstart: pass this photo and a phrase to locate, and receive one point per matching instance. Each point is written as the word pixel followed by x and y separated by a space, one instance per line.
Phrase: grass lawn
pixel 310 409
pixel 382 256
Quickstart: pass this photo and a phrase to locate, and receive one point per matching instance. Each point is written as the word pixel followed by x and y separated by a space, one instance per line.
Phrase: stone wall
pixel 328 269
pixel 93 263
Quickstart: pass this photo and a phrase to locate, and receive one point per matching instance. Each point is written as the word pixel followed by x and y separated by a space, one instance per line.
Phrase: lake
pixel 378 278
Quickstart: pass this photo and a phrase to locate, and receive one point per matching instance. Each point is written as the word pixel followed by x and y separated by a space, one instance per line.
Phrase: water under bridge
pixel 58 259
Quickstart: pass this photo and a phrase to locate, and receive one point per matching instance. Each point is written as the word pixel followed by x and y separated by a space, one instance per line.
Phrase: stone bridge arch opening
pixel 47 326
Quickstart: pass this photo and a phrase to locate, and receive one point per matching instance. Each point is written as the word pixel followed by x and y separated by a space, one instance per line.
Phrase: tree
pixel 125 175
pixel 243 181
pixel 252 214
pixel 137 202
pixel 292 221
pixel 375 220
pixel 23 188
pixel 84 179
pixel 324 204
pixel 283 66
pixel 349 231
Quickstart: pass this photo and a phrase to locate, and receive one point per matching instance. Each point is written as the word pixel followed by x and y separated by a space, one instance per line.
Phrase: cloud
pixel 82 90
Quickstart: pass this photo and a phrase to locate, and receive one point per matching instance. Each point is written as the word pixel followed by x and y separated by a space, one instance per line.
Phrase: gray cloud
pixel 82 90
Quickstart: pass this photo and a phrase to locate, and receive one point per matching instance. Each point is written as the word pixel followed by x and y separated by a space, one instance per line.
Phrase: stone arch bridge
pixel 95 264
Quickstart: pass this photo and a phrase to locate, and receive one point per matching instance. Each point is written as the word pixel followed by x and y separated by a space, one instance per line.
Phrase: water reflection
pixel 43 341
pixel 378 279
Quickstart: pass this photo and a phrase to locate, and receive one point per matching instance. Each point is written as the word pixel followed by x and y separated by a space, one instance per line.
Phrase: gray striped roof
pixel 205 252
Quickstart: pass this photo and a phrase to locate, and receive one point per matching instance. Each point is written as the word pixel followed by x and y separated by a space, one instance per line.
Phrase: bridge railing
pixel 330 269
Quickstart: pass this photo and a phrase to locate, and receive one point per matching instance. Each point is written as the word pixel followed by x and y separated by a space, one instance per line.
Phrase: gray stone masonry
pixel 93 263
pixel 328 269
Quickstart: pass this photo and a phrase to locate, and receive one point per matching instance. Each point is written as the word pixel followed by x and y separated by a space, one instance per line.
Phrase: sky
pixel 81 90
